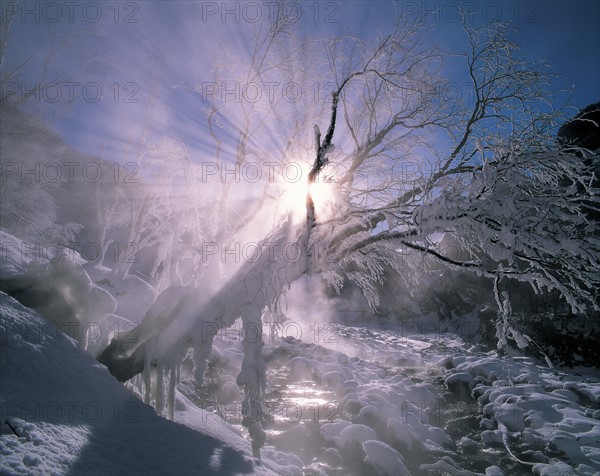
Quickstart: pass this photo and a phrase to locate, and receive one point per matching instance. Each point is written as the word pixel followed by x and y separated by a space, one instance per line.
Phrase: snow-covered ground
pixel 367 400
pixel 63 413
pixel 340 399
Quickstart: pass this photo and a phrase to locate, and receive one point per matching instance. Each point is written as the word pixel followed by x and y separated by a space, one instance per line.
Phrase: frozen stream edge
pixel 435 405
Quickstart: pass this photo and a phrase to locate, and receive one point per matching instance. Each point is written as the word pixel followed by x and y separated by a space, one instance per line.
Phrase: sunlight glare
pixel 322 193
pixel 293 197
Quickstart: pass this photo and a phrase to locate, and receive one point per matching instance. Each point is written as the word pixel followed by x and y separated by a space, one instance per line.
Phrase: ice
pixel 102 332
pixel 501 187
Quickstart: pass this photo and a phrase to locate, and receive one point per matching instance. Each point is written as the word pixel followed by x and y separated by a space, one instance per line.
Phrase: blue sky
pixel 128 41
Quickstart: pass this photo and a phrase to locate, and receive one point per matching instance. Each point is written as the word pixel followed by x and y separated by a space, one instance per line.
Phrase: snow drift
pixel 63 413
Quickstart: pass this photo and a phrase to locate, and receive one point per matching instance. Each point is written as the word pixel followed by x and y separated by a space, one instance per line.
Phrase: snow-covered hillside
pixel 63 413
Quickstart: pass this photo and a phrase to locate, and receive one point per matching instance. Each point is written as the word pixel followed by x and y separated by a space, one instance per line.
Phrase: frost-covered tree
pixel 28 205
pixel 30 151
pixel 400 162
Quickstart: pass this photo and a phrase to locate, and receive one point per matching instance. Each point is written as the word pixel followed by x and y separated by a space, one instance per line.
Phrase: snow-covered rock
pixel 331 431
pixel 460 382
pixel 384 459
pixel 493 471
pixel 556 469
pixel 134 296
pixel 353 434
pixel 491 437
pixel 55 283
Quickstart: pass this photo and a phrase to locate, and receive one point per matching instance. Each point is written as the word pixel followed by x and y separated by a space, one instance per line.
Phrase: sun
pixel 294 195
pixel 322 193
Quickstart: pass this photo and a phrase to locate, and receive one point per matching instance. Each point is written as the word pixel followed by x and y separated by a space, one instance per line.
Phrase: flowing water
pixel 297 408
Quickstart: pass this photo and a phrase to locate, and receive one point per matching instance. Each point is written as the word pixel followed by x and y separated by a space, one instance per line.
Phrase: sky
pixel 128 61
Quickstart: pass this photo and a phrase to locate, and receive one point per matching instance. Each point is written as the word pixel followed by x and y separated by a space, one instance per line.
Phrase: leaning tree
pixel 410 162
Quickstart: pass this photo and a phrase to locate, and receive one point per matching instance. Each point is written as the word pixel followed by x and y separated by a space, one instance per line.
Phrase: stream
pixel 310 385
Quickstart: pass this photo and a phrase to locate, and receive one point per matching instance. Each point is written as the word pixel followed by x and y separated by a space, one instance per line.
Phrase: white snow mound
pixel 70 416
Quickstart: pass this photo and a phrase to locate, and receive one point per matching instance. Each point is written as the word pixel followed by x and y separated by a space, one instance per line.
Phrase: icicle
pixel 252 377
pixel 171 394
pixel 160 390
pixel 201 353
pixel 147 375
pixel 140 385
pixel 86 338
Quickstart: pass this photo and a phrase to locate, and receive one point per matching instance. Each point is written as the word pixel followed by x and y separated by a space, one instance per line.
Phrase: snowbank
pixel 385 459
pixel 134 296
pixel 53 281
pixel 546 414
pixel 66 414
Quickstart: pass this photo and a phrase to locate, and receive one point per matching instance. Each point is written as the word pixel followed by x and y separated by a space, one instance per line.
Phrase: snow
pixel 133 295
pixel 382 397
pixel 17 255
pixel 493 471
pixel 460 378
pixel 557 469
pixel 384 459
pixel 539 408
pixel 331 431
pixel 353 434
pixel 72 416
pixel 54 281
